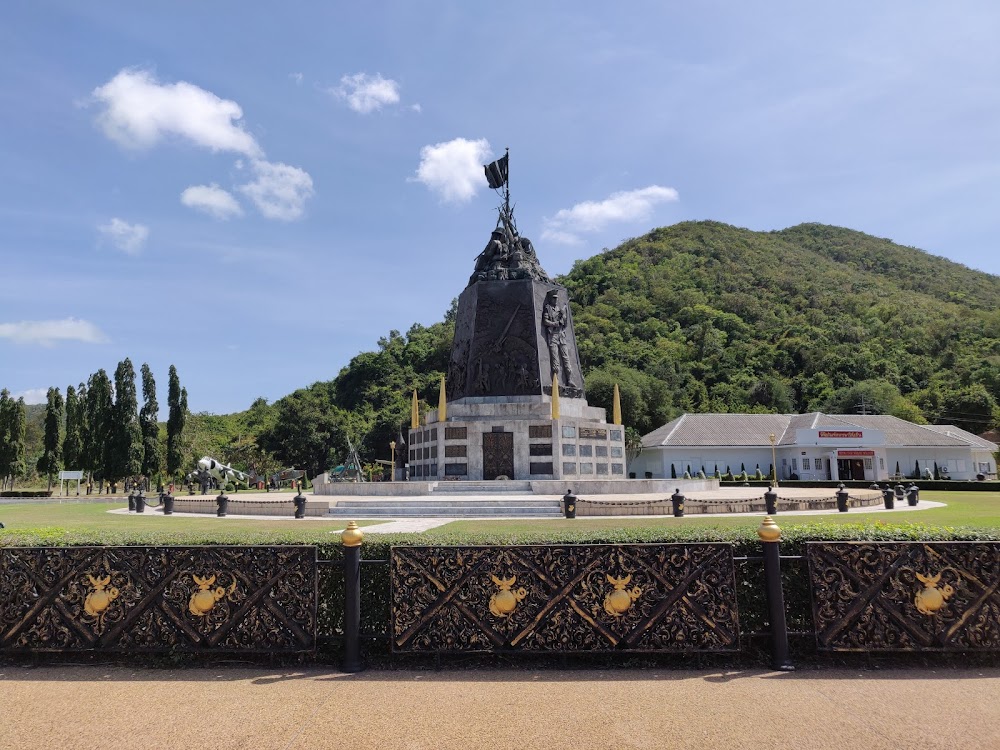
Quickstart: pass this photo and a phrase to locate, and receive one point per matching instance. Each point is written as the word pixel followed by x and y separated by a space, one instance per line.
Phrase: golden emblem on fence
pixel 618 600
pixel 930 598
pixel 205 597
pixel 101 597
pixel 504 601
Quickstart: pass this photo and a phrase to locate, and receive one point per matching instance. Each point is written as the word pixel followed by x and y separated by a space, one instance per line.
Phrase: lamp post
pixel 392 474
pixel 774 460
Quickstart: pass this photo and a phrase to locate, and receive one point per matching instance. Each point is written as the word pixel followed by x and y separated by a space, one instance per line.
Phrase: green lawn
pixel 48 523
pixel 973 509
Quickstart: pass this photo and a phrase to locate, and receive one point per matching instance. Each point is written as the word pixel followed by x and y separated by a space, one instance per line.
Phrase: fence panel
pixel 905 596
pixel 573 598
pixel 151 599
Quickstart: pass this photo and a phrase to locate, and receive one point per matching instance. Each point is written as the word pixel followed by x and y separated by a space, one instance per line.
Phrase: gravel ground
pixel 111 707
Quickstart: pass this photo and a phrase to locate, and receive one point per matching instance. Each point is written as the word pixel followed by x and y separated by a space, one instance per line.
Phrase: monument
pixel 513 404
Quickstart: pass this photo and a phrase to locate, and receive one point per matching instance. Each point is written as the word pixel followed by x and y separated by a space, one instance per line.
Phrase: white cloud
pixel 34 396
pixel 454 169
pixel 212 200
pixel 140 112
pixel 297 77
pixel 593 216
pixel 365 93
pixel 47 332
pixel 127 237
pixel 280 191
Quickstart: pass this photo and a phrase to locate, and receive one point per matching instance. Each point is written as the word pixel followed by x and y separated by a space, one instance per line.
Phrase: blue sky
pixel 256 192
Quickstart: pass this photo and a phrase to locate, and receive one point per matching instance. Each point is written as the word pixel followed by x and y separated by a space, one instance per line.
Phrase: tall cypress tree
pixel 19 428
pixel 8 446
pixel 176 417
pixel 125 459
pixel 73 442
pixel 48 463
pixel 149 426
pixel 98 425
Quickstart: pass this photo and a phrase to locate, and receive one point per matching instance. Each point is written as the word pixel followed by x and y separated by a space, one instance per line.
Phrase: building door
pixel 498 455
pixel 844 468
pixel 858 468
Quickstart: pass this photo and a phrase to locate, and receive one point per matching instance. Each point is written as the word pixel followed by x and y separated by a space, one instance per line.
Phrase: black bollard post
pixel 912 495
pixel 223 502
pixel 887 498
pixel 900 494
pixel 842 498
pixel 771 502
pixel 351 538
pixel 131 502
pixel 140 502
pixel 677 499
pixel 770 537
pixel 300 505
pixel 569 504
pixel 168 504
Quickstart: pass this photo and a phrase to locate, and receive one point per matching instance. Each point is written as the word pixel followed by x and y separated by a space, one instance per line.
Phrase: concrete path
pixel 113 708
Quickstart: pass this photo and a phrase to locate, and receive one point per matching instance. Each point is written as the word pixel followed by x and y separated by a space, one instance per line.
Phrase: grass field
pixel 90 522
pixel 972 509
pixel 84 523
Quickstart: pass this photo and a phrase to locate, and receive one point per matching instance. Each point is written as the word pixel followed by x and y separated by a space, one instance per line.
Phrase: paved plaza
pixel 230 708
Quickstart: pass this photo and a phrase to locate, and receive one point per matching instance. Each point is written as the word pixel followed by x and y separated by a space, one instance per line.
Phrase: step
pixel 356 513
pixel 496 488
pixel 443 502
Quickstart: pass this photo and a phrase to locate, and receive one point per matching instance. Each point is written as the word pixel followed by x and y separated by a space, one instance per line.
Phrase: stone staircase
pixel 509 487
pixel 448 507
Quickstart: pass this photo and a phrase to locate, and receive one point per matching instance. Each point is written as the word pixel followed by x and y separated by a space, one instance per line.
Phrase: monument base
pixel 516 438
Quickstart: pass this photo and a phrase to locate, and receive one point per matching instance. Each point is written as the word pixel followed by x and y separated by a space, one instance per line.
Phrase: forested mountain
pixel 696 317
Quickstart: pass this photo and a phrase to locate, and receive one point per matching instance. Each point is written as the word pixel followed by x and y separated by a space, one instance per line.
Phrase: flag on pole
pixel 496 173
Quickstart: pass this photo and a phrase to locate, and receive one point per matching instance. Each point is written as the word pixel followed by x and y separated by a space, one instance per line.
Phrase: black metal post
pixel 900 493
pixel 300 505
pixel 168 504
pixel 223 502
pixel 140 502
pixel 912 495
pixel 131 501
pixel 887 498
pixel 569 504
pixel 770 537
pixel 771 502
pixel 351 538
pixel 677 499
pixel 842 498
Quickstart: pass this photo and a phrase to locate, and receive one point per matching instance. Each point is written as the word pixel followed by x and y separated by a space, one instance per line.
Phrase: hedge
pixel 945 485
pixel 26 493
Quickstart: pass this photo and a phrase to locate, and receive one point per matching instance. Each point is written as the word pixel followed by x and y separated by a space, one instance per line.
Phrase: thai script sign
pixel 851 434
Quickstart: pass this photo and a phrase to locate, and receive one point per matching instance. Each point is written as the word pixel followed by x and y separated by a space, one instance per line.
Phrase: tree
pixel 73 442
pixel 12 430
pixel 49 461
pixel 125 456
pixel 97 426
pixel 149 426
pixel 176 418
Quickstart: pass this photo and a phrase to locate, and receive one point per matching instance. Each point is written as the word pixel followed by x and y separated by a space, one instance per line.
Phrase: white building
pixel 812 446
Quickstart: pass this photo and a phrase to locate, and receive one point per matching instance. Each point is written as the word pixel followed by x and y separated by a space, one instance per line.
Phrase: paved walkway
pixel 114 708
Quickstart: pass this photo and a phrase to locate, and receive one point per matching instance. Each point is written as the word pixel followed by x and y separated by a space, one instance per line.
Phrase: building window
pixel 455 470
pixel 881 462
pixel 569 432
pixel 602 468
pixel 616 435
pixel 569 467
pixel 618 468
pixel 454 433
pixel 569 449
pixel 540 449
pixel 586 450
pixel 617 451
pixel 586 468
pixel 600 450
pixel 805 464
pixel 454 451
pixel 795 464
pixel 540 467
pixel 540 431
pixel 868 463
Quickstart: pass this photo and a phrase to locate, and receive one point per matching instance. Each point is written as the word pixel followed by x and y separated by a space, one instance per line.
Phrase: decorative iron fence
pixel 905 596
pixel 574 598
pixel 150 599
